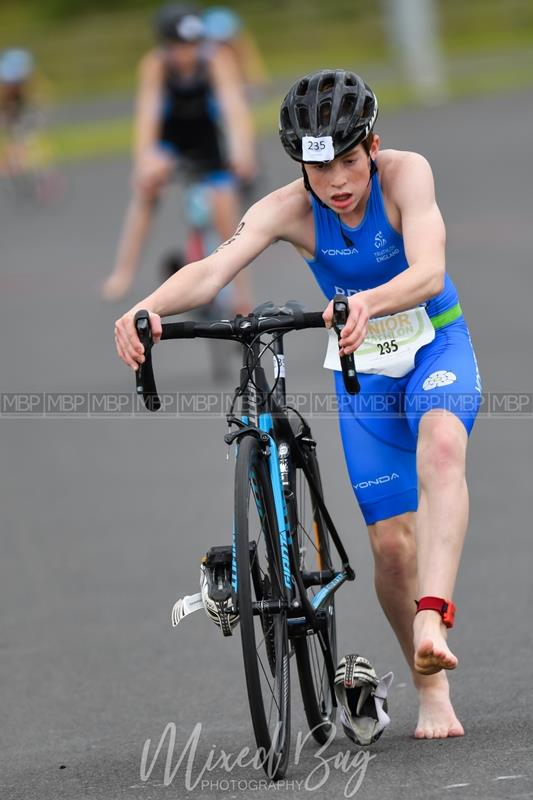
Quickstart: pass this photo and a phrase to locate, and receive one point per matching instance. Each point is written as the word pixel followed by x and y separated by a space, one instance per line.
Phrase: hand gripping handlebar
pixel 340 316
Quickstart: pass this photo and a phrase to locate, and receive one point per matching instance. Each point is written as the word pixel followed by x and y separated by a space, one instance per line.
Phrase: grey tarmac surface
pixel 104 520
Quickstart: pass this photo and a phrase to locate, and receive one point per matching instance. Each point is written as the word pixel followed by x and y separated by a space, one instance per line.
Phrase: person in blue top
pixel 368 225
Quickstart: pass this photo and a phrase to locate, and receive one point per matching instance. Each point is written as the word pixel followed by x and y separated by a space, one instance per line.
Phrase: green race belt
pixel 450 315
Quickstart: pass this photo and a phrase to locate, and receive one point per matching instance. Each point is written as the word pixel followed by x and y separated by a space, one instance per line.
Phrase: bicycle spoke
pixel 262 536
pixel 319 669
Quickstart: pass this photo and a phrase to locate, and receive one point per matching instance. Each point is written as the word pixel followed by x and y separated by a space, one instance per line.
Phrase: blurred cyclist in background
pixel 189 92
pixel 16 73
pixel 25 155
pixel 223 28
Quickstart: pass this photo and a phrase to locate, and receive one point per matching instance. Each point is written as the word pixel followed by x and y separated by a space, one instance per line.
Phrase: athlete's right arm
pixel 198 283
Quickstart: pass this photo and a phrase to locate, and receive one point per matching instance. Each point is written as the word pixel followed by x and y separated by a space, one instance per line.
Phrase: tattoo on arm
pixel 232 239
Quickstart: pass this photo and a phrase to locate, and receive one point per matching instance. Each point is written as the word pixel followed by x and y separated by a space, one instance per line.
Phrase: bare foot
pixel 436 718
pixel 116 287
pixel 431 649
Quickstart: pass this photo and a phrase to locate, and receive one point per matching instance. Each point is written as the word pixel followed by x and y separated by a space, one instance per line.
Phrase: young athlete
pixel 26 155
pixel 191 118
pixel 16 73
pixel 368 225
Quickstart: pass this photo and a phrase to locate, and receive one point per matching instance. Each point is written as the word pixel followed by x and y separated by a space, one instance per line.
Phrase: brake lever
pixel 144 376
pixel 340 317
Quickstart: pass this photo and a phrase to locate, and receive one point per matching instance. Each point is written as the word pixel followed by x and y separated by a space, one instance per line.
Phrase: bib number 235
pixel 384 348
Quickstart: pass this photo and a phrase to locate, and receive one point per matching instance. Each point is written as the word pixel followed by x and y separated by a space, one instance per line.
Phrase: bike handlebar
pixel 340 317
pixel 241 329
pixel 144 377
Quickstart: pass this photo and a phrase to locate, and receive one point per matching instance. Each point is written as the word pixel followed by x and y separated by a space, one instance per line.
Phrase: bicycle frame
pixel 258 403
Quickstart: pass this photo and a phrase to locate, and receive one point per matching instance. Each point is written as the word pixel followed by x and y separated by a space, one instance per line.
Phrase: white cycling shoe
pixel 363 699
pixel 215 596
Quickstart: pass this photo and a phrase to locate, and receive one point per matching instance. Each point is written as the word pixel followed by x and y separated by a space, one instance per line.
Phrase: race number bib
pixel 317 148
pixel 390 346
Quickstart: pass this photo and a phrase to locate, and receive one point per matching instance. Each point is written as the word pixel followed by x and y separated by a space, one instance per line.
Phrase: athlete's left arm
pixel 411 189
pixel 238 124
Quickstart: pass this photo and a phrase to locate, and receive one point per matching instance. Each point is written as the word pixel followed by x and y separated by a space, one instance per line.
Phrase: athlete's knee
pixel 441 451
pixel 393 544
pixel 150 176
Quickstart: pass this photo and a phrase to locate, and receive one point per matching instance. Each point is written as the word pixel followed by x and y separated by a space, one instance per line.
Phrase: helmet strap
pixel 308 188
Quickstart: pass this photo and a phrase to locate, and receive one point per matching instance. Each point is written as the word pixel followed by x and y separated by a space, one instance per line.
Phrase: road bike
pixel 26 164
pixel 278 579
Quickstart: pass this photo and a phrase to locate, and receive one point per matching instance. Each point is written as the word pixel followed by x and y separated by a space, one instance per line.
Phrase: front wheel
pixel 263 629
pixel 314 553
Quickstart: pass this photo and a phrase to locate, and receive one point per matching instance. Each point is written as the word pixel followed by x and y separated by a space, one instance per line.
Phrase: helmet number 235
pixel 318 148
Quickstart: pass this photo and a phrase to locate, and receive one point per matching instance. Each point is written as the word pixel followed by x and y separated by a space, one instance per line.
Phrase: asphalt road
pixel 104 518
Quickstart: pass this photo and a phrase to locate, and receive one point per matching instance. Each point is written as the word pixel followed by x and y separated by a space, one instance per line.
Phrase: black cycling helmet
pixel 178 23
pixel 329 103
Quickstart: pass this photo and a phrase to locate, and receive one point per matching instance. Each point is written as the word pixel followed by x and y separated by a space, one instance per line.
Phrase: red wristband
pixel 444 607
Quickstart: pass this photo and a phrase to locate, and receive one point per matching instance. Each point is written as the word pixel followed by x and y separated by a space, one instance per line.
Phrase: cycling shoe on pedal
pixel 363 699
pixel 216 594
pixel 216 588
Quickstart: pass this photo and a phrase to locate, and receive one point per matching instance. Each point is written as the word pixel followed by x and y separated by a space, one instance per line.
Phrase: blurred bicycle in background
pixel 200 240
pixel 27 166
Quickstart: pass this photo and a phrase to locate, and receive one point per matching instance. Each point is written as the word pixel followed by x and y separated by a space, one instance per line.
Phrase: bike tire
pixel 318 702
pixel 264 636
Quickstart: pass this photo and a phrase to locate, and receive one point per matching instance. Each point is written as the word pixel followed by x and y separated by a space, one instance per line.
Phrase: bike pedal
pixel 217 563
pixel 217 588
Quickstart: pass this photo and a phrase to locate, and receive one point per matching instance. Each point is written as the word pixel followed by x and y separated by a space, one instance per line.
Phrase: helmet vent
pixel 301 91
pixel 285 122
pixel 302 113
pixel 327 83
pixel 347 107
pixel 368 106
pixel 324 113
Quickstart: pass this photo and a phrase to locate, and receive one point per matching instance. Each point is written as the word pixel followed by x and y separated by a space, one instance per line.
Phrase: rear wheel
pixel 263 633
